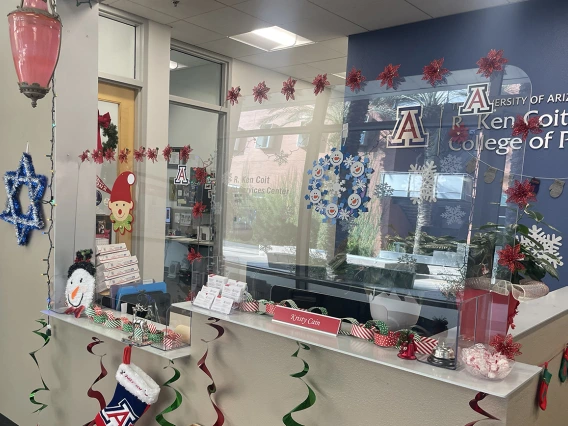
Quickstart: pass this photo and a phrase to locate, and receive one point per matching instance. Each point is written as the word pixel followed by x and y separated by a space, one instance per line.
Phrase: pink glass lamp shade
pixel 35 37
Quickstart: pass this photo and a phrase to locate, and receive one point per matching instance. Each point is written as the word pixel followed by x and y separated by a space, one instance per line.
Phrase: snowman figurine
pixel 80 288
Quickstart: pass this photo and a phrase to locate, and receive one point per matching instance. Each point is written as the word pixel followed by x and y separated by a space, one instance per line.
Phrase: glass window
pixel 195 78
pixel 117 48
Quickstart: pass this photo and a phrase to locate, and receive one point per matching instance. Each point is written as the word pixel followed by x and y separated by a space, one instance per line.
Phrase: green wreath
pixel 111 132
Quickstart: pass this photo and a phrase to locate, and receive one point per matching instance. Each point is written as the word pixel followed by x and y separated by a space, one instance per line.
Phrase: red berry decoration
pixel 109 155
pixel 320 82
pixel 389 76
pixel 152 154
pixel 459 134
pixel 184 153
pixel 193 255
pixel 522 128
pixel 434 73
pixel 139 154
pixel 506 346
pixel 198 209
pixel 521 193
pixel 494 61
pixel 260 92
pixel 510 256
pixel 233 95
pixel 354 79
pixel 288 89
pixel 167 153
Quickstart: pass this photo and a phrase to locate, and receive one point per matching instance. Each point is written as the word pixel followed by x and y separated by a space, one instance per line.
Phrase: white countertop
pixel 115 334
pixel 521 374
pixel 536 313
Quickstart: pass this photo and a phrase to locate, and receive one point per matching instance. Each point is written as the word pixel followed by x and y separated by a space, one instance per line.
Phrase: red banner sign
pixel 306 319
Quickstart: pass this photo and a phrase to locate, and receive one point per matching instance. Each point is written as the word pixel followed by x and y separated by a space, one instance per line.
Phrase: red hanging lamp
pixel 35 38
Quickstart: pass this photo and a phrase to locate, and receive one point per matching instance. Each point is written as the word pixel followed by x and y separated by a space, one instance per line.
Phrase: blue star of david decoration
pixel 13 181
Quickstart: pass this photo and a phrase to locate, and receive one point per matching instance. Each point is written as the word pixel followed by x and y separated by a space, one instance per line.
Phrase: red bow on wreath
pixel 104 122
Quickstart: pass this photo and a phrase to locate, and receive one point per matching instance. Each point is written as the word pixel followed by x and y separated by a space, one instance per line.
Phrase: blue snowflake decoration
pixel 13 181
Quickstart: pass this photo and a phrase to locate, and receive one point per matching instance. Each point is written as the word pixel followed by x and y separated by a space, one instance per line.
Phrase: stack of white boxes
pixel 115 266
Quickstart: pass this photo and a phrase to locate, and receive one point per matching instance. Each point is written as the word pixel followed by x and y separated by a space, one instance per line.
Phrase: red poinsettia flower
pixel 260 92
pixel 201 175
pixel 198 209
pixel 98 156
pixel 522 128
pixel 140 153
pixel 505 345
pixel 510 256
pixel 85 156
pixel 319 83
pixel 123 155
pixel 521 193
pixel 184 153
pixel 288 88
pixel 152 154
pixel 354 79
pixel 389 76
pixel 193 255
pixel 435 73
pixel 109 155
pixel 167 153
pixel 494 61
pixel 459 134
pixel 233 95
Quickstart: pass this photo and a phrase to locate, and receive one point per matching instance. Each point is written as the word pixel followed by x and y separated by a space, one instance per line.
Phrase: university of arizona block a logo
pixel 477 101
pixel 408 131
pixel 120 415
pixel 181 177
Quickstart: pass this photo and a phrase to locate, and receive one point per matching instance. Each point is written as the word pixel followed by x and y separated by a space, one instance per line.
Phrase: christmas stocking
pixel 563 373
pixel 542 387
pixel 135 392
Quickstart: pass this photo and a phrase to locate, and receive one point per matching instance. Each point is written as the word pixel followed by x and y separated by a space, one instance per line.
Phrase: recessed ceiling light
pixel 341 75
pixel 271 38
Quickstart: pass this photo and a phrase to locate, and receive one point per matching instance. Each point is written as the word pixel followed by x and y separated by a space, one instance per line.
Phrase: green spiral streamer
pixel 311 398
pixel 45 337
pixel 177 402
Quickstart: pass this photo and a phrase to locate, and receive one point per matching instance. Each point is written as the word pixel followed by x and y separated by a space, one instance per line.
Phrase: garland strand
pixel 211 389
pixel 310 399
pixel 46 337
pixel 177 402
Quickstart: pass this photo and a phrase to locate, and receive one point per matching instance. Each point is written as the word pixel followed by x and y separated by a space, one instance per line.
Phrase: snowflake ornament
pixel 350 160
pixel 344 214
pixel 360 184
pixel 427 190
pixel 549 246
pixel 281 158
pixel 319 207
pixel 347 225
pixel 335 186
pixel 453 214
pixel 383 190
pixel 451 164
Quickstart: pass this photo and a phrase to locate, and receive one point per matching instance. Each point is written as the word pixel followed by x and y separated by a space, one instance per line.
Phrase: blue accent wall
pixel 534 36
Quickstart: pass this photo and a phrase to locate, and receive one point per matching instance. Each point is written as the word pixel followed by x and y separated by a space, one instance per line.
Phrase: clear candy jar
pixel 483 361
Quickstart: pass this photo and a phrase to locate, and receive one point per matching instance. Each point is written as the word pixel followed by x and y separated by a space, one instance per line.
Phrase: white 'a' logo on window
pixel 408 131
pixel 181 178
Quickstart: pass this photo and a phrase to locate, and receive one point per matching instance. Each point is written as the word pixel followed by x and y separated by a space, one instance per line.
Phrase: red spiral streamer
pixel 474 404
pixel 211 389
pixel 91 393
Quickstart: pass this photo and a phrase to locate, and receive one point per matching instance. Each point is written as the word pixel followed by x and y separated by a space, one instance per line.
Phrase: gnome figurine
pixel 121 204
pixel 80 288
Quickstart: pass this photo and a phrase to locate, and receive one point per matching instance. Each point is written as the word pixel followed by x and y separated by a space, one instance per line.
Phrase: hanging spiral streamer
pixel 310 399
pixel 46 337
pixel 474 404
pixel 177 402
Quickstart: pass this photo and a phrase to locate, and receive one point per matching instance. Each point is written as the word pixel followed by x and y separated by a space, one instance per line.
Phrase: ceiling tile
pixel 184 9
pixel 192 34
pixel 303 72
pixel 294 56
pixel 437 8
pixel 144 12
pixel 375 14
pixel 337 44
pixel 231 48
pixel 228 21
pixel 332 66
pixel 278 11
pixel 336 81
pixel 327 26
pixel 230 2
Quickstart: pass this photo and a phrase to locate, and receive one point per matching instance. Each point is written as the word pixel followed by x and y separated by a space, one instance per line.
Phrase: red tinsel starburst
pixel 522 128
pixel 510 256
pixel 288 88
pixel 184 153
pixel 521 193
pixel 85 156
pixel 140 153
pixel 199 209
pixel 355 79
pixel 193 255
pixel 435 72
pixel 98 156
pixel 260 92
pixel 123 155
pixel 506 346
pixel 200 175
pixel 319 83
pixel 152 154
pixel 167 153
pixel 109 155
pixel 459 134
pixel 233 95
pixel 389 76
pixel 494 61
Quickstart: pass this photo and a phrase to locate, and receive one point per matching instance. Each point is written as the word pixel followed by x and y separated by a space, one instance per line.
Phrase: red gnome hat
pixel 121 187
